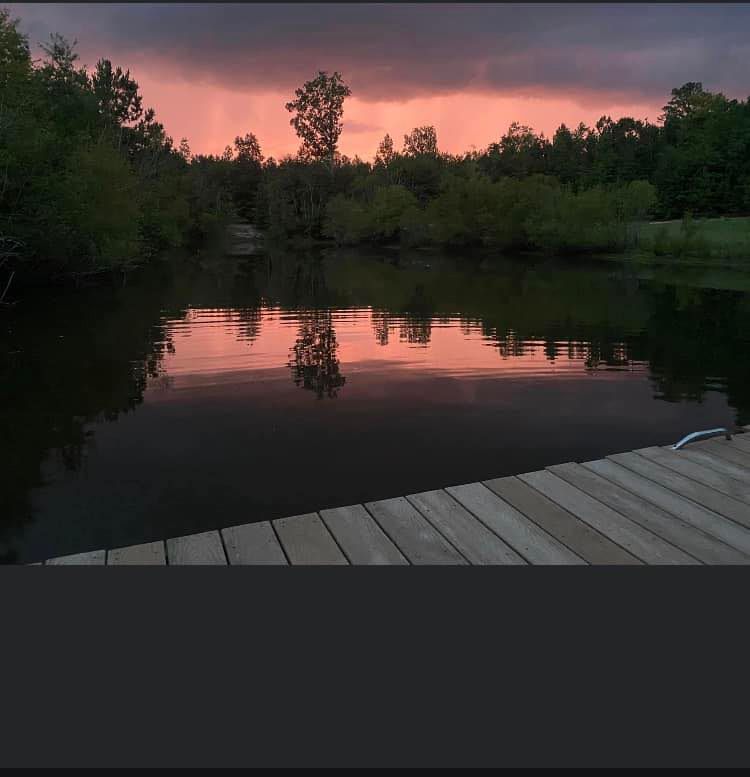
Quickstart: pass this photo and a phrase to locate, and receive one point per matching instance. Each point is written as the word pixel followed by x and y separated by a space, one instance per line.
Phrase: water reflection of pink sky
pixel 212 346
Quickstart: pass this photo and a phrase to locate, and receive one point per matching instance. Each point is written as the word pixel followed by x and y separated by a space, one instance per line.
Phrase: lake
pixel 220 391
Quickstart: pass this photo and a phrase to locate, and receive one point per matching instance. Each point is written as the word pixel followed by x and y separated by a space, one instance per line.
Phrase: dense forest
pixel 90 180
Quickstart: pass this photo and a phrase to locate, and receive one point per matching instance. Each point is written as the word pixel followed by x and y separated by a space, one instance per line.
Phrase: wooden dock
pixel 650 506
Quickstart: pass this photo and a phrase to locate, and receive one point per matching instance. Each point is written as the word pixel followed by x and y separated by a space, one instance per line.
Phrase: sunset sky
pixel 214 71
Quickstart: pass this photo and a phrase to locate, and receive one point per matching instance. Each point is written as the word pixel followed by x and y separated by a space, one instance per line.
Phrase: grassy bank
pixel 722 241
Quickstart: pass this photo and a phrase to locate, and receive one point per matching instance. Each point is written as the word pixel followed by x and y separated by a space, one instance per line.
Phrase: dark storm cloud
pixel 402 51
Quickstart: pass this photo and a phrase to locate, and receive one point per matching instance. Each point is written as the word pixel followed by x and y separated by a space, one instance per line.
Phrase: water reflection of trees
pixel 414 320
pixel 76 358
pixel 315 364
pixel 416 324
pixel 691 339
pixel 416 329
pixel 696 338
pixel 249 321
pixel 381 326
pixel 107 345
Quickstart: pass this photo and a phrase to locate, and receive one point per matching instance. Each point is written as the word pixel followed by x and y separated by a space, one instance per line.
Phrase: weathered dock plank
pixel 708 521
pixel 654 506
pixel 253 543
pixel 703 495
pixel 726 452
pixel 91 558
pixel 736 444
pixel 463 530
pixel 700 473
pixel 307 541
pixel 146 554
pixel 194 549
pixel 566 527
pixel 741 441
pixel 639 541
pixel 414 535
pixel 360 537
pixel 528 539
pixel 714 461
pixel 703 547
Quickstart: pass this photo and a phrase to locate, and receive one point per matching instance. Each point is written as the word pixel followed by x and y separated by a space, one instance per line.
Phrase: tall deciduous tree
pixel 318 111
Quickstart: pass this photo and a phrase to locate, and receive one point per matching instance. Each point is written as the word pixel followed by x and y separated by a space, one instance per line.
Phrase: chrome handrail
pixel 696 435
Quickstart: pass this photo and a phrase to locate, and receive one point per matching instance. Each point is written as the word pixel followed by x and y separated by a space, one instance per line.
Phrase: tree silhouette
pixel 117 94
pixel 248 149
pixel 421 141
pixel 318 110
pixel 385 154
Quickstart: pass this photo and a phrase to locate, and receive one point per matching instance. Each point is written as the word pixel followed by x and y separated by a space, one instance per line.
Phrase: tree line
pixel 89 179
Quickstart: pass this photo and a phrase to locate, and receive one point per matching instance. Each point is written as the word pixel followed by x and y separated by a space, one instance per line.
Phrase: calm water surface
pixel 220 392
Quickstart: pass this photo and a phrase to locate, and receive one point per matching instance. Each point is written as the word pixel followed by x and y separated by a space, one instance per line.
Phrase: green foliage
pixel 534 213
pixel 704 162
pixel 422 175
pixel 389 206
pixel 15 58
pixel 465 212
pixel 346 220
pixel 96 209
pixel 117 94
pixel 209 196
pixel 165 207
pixel 89 179
pixel 575 222
pixel 586 189
pixel 724 239
pixel 295 193
pixel 246 175
pixel 381 220
pixel 635 201
pixel 568 154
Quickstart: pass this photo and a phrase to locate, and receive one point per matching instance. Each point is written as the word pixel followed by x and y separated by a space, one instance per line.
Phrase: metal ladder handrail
pixel 706 433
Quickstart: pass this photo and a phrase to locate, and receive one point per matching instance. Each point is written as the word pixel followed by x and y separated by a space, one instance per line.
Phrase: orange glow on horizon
pixel 211 116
